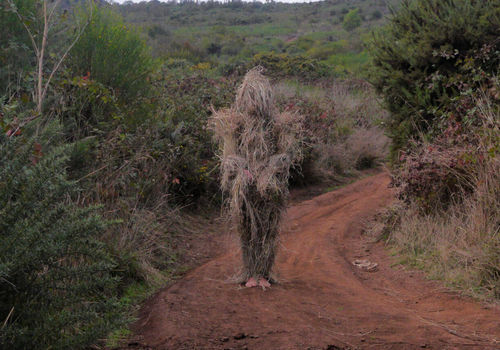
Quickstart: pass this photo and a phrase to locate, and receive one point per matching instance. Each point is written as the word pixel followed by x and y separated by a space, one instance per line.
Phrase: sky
pixel 122 1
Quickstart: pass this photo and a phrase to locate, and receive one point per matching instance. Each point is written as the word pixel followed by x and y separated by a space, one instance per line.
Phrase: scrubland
pixel 108 168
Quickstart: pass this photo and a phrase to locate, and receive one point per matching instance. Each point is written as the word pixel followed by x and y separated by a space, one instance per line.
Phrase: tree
pixel 39 24
pixel 352 20
pixel 16 55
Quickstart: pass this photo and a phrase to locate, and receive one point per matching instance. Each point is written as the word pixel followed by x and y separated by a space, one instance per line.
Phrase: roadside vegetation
pixel 107 167
pixel 436 64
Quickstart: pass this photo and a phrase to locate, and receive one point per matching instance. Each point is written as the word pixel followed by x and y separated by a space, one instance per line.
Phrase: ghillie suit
pixel 258 146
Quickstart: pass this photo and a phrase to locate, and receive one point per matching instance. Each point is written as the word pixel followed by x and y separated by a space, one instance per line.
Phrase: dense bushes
pixel 341 127
pixel 450 218
pixel 423 58
pixel 115 55
pixel 15 46
pixel 134 138
pixel 436 64
pixel 352 20
pixel 56 284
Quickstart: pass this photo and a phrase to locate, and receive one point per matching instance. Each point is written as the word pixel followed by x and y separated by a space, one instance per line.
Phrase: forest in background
pixel 107 166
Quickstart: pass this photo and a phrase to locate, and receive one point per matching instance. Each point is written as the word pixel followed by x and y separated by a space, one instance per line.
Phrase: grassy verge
pixel 451 230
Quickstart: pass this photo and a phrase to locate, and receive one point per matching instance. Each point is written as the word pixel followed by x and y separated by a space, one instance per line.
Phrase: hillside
pixel 219 32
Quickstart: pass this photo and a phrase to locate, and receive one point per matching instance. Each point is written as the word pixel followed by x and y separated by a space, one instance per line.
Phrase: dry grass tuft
pixel 258 147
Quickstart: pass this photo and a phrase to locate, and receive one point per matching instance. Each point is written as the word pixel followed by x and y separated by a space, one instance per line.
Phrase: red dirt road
pixel 323 300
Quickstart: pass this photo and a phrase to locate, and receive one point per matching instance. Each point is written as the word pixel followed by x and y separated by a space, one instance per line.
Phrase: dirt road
pixel 323 301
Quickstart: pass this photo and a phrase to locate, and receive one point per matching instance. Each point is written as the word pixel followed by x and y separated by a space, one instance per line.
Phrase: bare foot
pixel 251 283
pixel 264 283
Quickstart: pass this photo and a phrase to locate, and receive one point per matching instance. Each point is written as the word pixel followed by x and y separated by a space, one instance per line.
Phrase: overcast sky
pixel 122 1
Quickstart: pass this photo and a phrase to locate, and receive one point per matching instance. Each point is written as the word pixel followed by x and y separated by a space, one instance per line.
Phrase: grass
pixel 457 242
pixel 133 296
pixel 345 121
pixel 266 30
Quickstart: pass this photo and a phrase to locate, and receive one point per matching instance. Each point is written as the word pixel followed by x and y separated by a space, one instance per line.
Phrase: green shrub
pixel 376 15
pixel 284 65
pixel 345 64
pixel 15 46
pixel 115 55
pixel 429 52
pixel 184 141
pixel 352 20
pixel 86 107
pixel 55 275
pixel 324 51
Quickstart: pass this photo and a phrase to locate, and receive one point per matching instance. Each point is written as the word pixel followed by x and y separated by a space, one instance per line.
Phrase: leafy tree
pixel 55 275
pixel 425 56
pixel 352 20
pixel 39 19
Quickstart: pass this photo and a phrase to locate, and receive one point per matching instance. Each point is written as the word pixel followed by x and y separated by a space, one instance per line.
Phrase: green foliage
pixel 427 54
pixel 218 33
pixel 186 104
pixel 55 254
pixel 376 15
pixel 352 20
pixel 347 64
pixel 55 275
pixel 114 54
pixel 86 107
pixel 15 46
pixel 284 65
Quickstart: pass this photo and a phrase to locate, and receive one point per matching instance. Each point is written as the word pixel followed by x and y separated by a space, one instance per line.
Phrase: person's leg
pixel 266 253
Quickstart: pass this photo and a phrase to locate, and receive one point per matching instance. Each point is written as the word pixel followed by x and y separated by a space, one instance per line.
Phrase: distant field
pixel 219 33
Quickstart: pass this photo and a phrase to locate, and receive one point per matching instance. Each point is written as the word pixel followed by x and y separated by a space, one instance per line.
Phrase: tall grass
pixel 344 124
pixel 459 243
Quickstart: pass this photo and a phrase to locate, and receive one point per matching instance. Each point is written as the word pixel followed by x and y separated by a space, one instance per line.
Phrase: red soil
pixel 323 301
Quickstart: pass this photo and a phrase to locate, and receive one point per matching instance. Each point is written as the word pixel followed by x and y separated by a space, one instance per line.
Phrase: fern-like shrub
pixel 55 275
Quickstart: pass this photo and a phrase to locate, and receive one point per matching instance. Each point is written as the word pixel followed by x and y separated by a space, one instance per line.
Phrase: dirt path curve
pixel 324 300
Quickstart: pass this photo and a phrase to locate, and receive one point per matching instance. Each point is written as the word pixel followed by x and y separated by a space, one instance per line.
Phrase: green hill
pixel 218 32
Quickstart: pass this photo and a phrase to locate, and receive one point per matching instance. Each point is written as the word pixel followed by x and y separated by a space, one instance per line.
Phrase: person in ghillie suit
pixel 259 145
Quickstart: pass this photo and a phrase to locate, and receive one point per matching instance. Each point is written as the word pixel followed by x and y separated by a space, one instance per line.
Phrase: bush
pixel 352 20
pixel 324 51
pixel 85 107
pixel 184 140
pixel 341 127
pixel 55 275
pixel 15 45
pixel 284 65
pixel 450 223
pixel 422 55
pixel 376 15
pixel 115 55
